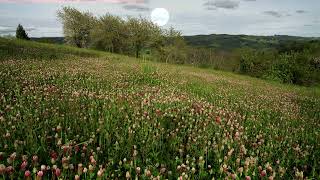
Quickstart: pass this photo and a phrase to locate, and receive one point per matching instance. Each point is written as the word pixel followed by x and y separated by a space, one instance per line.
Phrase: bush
pixel 255 63
pixel 281 69
pixel 296 68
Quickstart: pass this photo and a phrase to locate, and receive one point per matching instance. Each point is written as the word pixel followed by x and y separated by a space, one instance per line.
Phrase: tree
pixel 76 26
pixel 175 48
pixel 21 33
pixel 110 34
pixel 143 34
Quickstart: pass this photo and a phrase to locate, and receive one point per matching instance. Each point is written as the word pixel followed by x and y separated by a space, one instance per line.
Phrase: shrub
pixel 296 68
pixel 255 63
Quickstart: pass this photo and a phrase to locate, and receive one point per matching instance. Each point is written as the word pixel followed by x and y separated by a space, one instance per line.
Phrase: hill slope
pixel 230 42
pixel 79 108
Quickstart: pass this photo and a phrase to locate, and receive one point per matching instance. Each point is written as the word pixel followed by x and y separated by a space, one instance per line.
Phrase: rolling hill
pixel 230 42
pixel 75 113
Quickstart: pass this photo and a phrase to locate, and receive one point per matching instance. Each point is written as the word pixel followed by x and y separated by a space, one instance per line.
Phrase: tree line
pixel 135 37
pixel 290 62
pixel 130 36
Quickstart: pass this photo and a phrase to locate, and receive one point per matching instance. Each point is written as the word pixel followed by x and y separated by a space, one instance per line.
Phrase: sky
pixel 191 17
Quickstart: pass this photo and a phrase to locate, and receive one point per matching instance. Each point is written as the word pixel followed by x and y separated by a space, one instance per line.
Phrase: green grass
pixel 12 48
pixel 120 117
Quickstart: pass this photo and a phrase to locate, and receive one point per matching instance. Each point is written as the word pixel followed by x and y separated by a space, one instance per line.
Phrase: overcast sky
pixel 254 17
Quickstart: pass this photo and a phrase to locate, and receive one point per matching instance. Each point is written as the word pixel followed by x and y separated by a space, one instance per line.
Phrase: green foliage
pixel 76 26
pixel 296 67
pixel 255 63
pixel 174 49
pixel 110 34
pixel 289 46
pixel 21 33
pixel 143 34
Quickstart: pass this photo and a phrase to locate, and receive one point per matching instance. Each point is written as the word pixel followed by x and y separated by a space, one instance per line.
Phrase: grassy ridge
pixel 97 115
pixel 20 49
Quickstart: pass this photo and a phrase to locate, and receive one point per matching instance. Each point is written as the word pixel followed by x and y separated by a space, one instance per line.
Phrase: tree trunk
pixel 138 48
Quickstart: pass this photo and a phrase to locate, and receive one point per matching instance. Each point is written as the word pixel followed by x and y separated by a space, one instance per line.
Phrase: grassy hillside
pixel 70 112
pixel 230 42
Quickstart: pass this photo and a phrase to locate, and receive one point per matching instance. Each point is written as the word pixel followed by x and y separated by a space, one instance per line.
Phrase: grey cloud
pixel 301 11
pixel 211 8
pixel 225 4
pixel 134 7
pixel 4 30
pixel 30 29
pixel 273 13
pixel 137 5
pixel 209 5
pixel 7 31
pixel 287 14
pixel 130 1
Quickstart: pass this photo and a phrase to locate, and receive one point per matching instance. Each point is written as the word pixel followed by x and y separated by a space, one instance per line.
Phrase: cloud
pixel 301 11
pixel 316 21
pixel 273 13
pixel 77 1
pixel 211 8
pixel 138 5
pixel 30 29
pixel 5 30
pixel 209 5
pixel 134 7
pixel 227 4
pixel 224 4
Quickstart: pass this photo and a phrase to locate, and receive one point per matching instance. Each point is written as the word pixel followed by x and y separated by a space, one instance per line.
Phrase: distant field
pixel 68 112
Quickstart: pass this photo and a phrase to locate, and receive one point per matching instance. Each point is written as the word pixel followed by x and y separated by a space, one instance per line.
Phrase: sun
pixel 160 16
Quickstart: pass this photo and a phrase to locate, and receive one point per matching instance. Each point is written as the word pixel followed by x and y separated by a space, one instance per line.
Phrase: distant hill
pixel 53 40
pixel 224 42
pixel 230 42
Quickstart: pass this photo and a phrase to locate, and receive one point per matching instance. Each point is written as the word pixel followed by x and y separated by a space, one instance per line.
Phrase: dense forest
pixel 286 59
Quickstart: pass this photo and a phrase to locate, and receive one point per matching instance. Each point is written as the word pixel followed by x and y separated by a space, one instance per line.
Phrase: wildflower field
pixel 67 113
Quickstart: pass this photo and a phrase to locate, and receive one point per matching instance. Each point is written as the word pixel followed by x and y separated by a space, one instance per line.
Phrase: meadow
pixel 68 113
